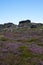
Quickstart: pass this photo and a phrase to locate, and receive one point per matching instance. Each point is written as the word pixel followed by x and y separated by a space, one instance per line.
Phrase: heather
pixel 21 45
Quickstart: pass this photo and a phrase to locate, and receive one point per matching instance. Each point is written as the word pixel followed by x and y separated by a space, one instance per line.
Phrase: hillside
pixel 21 44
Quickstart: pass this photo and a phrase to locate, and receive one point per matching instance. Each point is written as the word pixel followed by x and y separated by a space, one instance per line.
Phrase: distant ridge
pixel 22 24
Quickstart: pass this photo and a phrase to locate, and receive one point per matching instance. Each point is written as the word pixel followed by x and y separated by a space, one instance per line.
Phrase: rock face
pixel 25 23
pixel 33 26
pixel 22 24
pixel 28 24
pixel 7 26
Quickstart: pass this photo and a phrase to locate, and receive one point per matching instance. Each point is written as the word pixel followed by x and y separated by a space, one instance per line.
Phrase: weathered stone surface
pixel 7 27
pixel 33 26
pixel 25 23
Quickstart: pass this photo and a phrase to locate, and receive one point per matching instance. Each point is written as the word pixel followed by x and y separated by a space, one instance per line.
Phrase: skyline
pixel 17 10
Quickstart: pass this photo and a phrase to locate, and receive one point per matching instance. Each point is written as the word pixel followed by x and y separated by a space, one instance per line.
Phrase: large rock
pixel 1 27
pixel 33 26
pixel 7 27
pixel 25 23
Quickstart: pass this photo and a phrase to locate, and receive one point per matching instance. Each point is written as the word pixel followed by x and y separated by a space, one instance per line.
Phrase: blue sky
pixel 17 10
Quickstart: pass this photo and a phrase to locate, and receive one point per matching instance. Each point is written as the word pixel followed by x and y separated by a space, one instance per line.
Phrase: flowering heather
pixel 21 47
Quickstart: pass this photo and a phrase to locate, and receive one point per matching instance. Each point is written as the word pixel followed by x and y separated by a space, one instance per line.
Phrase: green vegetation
pixel 22 46
pixel 27 55
pixel 25 52
pixel 39 44
pixel 29 40
pixel 3 38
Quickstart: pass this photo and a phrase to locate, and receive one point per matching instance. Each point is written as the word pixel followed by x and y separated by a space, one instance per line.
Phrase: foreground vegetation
pixel 23 46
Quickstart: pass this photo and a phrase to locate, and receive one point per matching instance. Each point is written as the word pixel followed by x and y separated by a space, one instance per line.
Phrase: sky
pixel 17 10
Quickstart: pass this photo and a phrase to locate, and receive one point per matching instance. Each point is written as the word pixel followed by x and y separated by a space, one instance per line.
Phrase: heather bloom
pixel 36 49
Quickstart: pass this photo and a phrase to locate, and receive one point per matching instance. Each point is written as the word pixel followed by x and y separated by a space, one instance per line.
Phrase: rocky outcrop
pixel 22 24
pixel 25 23
pixel 7 26
pixel 29 24
pixel 33 26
